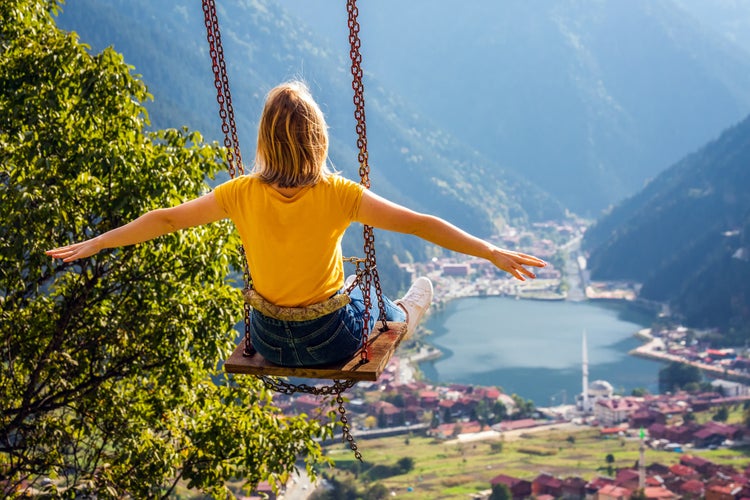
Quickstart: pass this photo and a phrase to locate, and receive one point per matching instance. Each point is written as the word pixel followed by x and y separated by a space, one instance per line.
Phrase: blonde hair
pixel 292 145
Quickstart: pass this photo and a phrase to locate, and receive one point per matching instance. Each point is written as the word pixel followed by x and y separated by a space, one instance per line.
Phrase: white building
pixel 730 389
pixel 611 412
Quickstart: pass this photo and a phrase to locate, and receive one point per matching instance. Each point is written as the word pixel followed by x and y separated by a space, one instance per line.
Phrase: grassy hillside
pixel 446 470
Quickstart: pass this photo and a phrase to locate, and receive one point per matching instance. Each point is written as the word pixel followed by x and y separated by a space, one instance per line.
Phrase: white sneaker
pixel 349 280
pixel 416 302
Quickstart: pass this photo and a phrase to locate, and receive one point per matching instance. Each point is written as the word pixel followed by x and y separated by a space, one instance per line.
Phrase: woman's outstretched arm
pixel 146 227
pixel 379 212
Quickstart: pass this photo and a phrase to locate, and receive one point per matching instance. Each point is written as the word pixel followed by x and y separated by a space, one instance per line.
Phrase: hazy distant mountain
pixel 728 18
pixel 411 160
pixel 589 99
pixel 686 236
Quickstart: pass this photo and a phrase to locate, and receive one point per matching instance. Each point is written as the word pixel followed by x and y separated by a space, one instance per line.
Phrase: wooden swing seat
pixel 381 346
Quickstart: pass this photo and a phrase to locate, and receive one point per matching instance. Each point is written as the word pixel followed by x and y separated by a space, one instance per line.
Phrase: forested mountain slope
pixel 686 236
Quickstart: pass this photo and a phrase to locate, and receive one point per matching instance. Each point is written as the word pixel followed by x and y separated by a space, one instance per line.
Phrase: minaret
pixel 585 406
pixel 642 462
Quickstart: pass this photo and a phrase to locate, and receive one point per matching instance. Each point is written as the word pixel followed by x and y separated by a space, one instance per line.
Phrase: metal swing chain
pixel 337 388
pixel 228 126
pixel 221 82
pixel 371 272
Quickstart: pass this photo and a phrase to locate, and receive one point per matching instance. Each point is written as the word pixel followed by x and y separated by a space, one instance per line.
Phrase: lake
pixel 534 348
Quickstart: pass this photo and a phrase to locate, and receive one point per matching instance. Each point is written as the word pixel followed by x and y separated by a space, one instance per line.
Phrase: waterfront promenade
pixel 654 348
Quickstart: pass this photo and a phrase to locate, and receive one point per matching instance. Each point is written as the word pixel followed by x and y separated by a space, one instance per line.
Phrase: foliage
pixel 499 412
pixel 375 471
pixel 500 491
pixel 405 464
pixel 109 365
pixel 721 415
pixel 537 450
pixel 371 422
pixel 692 387
pixel 382 471
pixel 338 489
pixel 524 407
pixel 638 495
pixel 395 398
pixel 489 414
pixel 481 413
pixel 376 491
pixel 675 376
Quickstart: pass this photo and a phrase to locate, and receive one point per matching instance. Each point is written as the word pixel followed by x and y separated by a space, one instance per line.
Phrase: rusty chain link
pixel 370 273
pixel 337 388
pixel 228 127
pixel 221 82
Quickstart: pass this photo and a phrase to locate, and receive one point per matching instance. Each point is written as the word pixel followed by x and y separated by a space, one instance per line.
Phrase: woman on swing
pixel 291 213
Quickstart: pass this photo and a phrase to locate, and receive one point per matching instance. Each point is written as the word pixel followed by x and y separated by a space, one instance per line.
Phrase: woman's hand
pixel 75 251
pixel 514 262
pixel 148 226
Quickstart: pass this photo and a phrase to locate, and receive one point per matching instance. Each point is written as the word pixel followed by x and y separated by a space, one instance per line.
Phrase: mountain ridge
pixel 686 236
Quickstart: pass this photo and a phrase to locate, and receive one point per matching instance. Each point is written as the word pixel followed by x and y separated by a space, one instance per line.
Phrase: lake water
pixel 534 348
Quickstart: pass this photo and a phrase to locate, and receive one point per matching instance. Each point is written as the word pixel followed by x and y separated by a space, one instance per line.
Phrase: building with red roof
pixel 612 492
pixel 546 484
pixel 628 478
pixel 683 471
pixel 489 393
pixel 308 404
pixel 545 497
pixel 723 492
pixel 388 414
pixel 509 425
pixel 659 493
pixel 519 488
pixel 429 399
pixel 702 465
pixel 574 487
pixel 693 488
pixel 714 433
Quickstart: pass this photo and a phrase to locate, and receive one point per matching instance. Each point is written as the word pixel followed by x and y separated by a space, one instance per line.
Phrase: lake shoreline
pixel 425 362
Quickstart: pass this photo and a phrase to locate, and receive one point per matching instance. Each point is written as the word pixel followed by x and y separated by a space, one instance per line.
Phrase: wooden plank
pixel 382 346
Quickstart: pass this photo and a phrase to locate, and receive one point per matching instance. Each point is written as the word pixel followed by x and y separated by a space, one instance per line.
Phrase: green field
pixel 447 471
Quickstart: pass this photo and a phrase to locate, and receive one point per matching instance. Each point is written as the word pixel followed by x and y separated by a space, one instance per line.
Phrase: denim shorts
pixel 331 338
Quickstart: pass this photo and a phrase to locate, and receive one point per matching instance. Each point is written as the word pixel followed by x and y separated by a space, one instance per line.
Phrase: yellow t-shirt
pixel 293 245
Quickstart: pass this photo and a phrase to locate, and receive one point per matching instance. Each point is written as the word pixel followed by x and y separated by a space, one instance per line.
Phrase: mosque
pixel 585 402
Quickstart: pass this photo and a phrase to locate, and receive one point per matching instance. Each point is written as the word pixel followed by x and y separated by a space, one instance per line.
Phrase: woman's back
pixel 292 243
